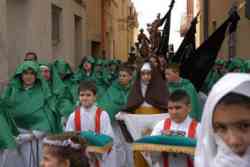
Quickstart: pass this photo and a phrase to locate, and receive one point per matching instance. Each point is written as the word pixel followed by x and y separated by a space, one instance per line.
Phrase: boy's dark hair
pixel 180 96
pixel 30 53
pixel 174 67
pixel 87 85
pixel 235 99
pixel 127 69
pixel 77 158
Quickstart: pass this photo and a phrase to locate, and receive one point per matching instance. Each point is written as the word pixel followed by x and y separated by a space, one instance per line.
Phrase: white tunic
pixel 144 88
pixel 88 123
pixel 175 160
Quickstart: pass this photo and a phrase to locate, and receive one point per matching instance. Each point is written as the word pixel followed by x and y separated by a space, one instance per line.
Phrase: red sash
pixel 97 120
pixel 191 134
pixel 97 124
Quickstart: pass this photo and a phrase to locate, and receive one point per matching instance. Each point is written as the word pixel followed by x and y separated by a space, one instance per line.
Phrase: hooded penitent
pixel 62 98
pixel 97 77
pixel 155 95
pixel 114 99
pixel 211 151
pixel 31 108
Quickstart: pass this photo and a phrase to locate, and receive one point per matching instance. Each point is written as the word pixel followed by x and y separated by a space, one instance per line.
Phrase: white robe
pixel 88 123
pixel 175 160
pixel 211 151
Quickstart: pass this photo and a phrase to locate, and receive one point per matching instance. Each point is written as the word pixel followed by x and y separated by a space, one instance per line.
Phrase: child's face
pixel 124 78
pixel 178 111
pixel 153 61
pixel 46 73
pixel 49 160
pixel 87 98
pixel 87 66
pixel 146 76
pixel 170 75
pixel 28 78
pixel 232 124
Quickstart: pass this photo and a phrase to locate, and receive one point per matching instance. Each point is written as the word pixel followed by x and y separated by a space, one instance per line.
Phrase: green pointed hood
pixel 236 63
pixel 25 66
pixel 247 65
pixel 62 67
pixel 220 62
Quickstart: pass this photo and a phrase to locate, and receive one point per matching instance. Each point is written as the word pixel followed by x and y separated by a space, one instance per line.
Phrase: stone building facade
pixel 112 25
pixel 213 13
pixel 69 29
pixel 50 28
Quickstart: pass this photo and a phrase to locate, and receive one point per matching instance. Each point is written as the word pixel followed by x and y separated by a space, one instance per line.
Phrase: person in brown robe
pixel 148 96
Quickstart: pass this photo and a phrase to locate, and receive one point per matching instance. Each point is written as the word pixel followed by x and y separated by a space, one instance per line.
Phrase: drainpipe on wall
pixel 103 29
pixel 206 15
pixel 232 37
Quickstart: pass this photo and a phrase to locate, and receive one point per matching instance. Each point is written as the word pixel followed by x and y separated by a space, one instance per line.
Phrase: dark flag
pixel 198 66
pixel 163 47
pixel 187 47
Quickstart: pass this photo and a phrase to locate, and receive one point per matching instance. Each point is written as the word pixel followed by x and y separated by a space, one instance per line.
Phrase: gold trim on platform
pixel 163 148
pixel 100 150
pixel 147 110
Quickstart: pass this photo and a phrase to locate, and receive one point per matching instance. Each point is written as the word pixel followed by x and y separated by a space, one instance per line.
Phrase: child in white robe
pixel 224 139
pixel 178 123
pixel 88 117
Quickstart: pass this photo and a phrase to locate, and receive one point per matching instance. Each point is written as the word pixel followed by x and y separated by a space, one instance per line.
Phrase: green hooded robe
pixel 8 129
pixel 32 108
pixel 62 98
pixel 114 99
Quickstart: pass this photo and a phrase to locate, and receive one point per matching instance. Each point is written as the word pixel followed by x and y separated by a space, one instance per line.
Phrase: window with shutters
pixel 56 24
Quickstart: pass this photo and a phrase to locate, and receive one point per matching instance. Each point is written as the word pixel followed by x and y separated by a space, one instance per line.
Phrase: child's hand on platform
pixel 166 132
pixel 146 132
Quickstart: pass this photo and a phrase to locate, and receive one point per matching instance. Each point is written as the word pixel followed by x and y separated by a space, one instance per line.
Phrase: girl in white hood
pixel 224 138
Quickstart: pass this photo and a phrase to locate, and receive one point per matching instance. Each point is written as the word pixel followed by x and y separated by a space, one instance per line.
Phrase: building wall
pixel 217 13
pixel 118 35
pixel 93 8
pixel 3 44
pixel 27 26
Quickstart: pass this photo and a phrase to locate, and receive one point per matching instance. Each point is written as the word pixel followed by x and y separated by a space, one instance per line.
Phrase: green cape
pixel 8 127
pixel 32 109
pixel 212 77
pixel 187 86
pixel 236 63
pixel 62 98
pixel 247 66
pixel 114 99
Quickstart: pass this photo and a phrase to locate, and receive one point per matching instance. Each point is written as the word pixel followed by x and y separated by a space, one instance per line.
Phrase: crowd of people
pixel 55 103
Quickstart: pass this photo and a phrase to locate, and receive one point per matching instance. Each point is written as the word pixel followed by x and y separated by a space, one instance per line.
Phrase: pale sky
pixel 148 9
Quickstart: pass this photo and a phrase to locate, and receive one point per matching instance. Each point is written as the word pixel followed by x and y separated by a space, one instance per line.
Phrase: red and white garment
pixel 97 120
pixel 187 128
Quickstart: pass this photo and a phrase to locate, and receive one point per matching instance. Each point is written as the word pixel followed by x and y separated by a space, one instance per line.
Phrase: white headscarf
pixel 207 154
pixel 146 67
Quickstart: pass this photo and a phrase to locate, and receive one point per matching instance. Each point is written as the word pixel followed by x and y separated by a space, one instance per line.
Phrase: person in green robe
pixel 8 129
pixel 66 74
pixel 116 96
pixel 61 95
pixel 30 95
pixel 87 72
pixel 247 66
pixel 103 78
pixel 113 68
pixel 236 65
pixel 214 75
pixel 175 82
